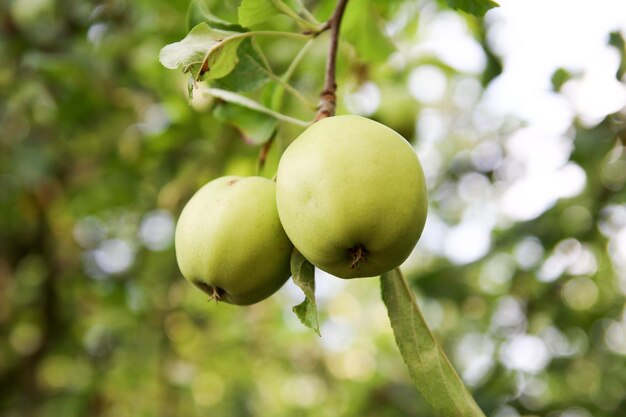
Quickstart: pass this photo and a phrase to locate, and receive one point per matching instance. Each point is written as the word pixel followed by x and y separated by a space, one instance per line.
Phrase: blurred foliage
pixel 99 151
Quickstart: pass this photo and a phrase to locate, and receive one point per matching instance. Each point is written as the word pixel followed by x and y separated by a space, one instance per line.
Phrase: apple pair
pixel 349 195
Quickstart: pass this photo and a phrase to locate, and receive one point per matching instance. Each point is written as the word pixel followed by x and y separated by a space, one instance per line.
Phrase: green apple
pixel 351 196
pixel 229 240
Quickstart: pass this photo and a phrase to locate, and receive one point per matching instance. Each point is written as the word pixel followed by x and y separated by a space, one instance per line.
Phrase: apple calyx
pixel 215 293
pixel 358 253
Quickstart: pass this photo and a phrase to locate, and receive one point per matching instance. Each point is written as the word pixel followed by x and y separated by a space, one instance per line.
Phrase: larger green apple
pixel 229 240
pixel 351 196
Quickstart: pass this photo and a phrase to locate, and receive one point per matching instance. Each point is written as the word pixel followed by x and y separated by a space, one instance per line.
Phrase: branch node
pixel 328 98
pixel 327 105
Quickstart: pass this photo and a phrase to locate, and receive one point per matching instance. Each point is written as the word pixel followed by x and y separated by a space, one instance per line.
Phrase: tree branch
pixel 328 98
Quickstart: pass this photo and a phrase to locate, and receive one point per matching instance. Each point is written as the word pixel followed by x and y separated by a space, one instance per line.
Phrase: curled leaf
pixel 303 274
pixel 204 51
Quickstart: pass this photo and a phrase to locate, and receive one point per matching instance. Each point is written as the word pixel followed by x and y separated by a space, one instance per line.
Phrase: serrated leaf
pixel 198 12
pixel 255 128
pixel 475 7
pixel 252 12
pixel 363 28
pixel 432 372
pixel 303 275
pixel 249 74
pixel 203 52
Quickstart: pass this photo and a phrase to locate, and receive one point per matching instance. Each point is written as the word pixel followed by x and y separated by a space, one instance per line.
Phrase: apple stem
pixel 328 98
pixel 358 255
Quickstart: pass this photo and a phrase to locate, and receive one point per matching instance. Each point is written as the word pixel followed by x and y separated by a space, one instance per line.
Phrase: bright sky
pixel 535 37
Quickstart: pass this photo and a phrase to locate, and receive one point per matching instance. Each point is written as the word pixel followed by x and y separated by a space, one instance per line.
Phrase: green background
pixel 99 151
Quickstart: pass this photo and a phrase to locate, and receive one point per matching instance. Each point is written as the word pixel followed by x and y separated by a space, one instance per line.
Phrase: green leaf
pixel 432 372
pixel 198 12
pixel 303 274
pixel 255 128
pixel 203 52
pixel 362 27
pixel 274 95
pixel 249 74
pixel 295 6
pixel 559 77
pixel 616 39
pixel 252 12
pixel 475 7
pixel 247 102
pixel 221 60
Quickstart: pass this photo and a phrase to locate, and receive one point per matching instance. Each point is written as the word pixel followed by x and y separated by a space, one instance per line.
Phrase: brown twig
pixel 328 98
pixel 265 149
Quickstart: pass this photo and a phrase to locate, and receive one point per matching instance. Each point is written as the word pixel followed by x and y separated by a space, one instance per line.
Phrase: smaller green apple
pixel 230 243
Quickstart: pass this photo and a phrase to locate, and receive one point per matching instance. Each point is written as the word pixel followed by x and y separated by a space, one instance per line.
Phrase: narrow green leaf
pixel 432 372
pixel 475 7
pixel 362 27
pixel 198 12
pixel 303 274
pixel 204 51
pixel 249 74
pixel 274 95
pixel 255 128
pixel 244 101
pixel 252 12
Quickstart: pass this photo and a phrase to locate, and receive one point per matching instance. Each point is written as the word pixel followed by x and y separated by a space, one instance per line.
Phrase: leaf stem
pixel 265 61
pixel 278 94
pixel 328 98
pixel 244 101
pixel 245 35
pixel 307 14
pixel 294 35
pixel 266 67
pixel 289 12
pixel 292 90
pixel 296 60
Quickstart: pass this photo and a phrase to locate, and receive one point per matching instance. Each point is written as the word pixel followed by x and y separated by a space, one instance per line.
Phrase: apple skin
pixel 229 240
pixel 351 196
